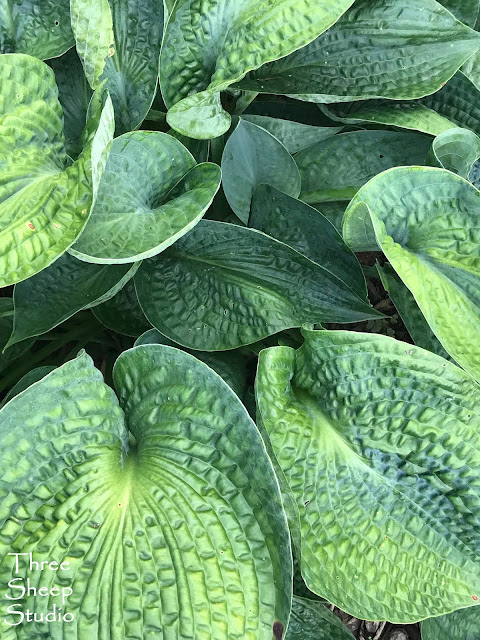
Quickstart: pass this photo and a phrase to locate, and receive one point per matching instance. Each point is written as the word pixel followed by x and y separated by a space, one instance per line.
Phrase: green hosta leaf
pixel 184 532
pixel 8 355
pixel 464 10
pixel 28 379
pixel 122 312
pixel 409 311
pixel 455 150
pixel 151 194
pixel 207 47
pixel 132 72
pixel 307 231
pixel 425 220
pixel 459 625
pixel 40 28
pixel 458 101
pixel 406 115
pixel 313 621
pixel 45 199
pixel 230 366
pixel 252 155
pixel 294 136
pixel 400 49
pixel 223 286
pixel 379 443
pixel 471 69
pixel 336 168
pixel 58 292
pixel 93 29
pixel 74 95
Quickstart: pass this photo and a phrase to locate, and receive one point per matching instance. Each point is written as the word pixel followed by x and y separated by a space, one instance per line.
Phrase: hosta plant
pixel 239 319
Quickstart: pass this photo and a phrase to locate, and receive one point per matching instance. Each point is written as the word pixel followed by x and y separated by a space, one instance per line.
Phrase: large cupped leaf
pixel 311 620
pixel 459 625
pixel 59 291
pixel 397 49
pixel 379 443
pixel 426 221
pixel 132 72
pixel 223 286
pixel 456 150
pixel 40 28
pixel 152 193
pixel 252 155
pixel 210 45
pixel 45 198
pixel 306 230
pixel 179 533
pixel 93 29
pixel 336 168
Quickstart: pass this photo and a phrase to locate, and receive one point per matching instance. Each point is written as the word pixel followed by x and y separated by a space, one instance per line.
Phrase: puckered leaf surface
pixel 223 286
pixel 426 221
pixel 45 198
pixel 152 193
pixel 311 620
pixel 379 443
pixel 210 45
pixel 334 170
pixel 397 49
pixel 180 533
pixel 40 28
pixel 459 625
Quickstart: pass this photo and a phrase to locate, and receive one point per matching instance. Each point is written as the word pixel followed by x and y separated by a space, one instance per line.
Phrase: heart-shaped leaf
pixel 182 528
pixel 402 49
pixel 459 625
pixel 92 26
pixel 425 220
pixel 223 286
pixel 378 441
pixel 336 168
pixel 59 291
pixel 209 46
pixel 40 28
pixel 456 150
pixel 313 621
pixel 252 155
pixel 45 199
pixel 132 72
pixel 152 193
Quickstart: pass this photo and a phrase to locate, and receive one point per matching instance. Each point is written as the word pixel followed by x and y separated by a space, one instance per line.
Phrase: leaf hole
pixel 278 630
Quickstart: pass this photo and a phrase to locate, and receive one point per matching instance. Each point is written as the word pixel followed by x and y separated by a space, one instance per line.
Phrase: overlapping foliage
pixel 210 214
